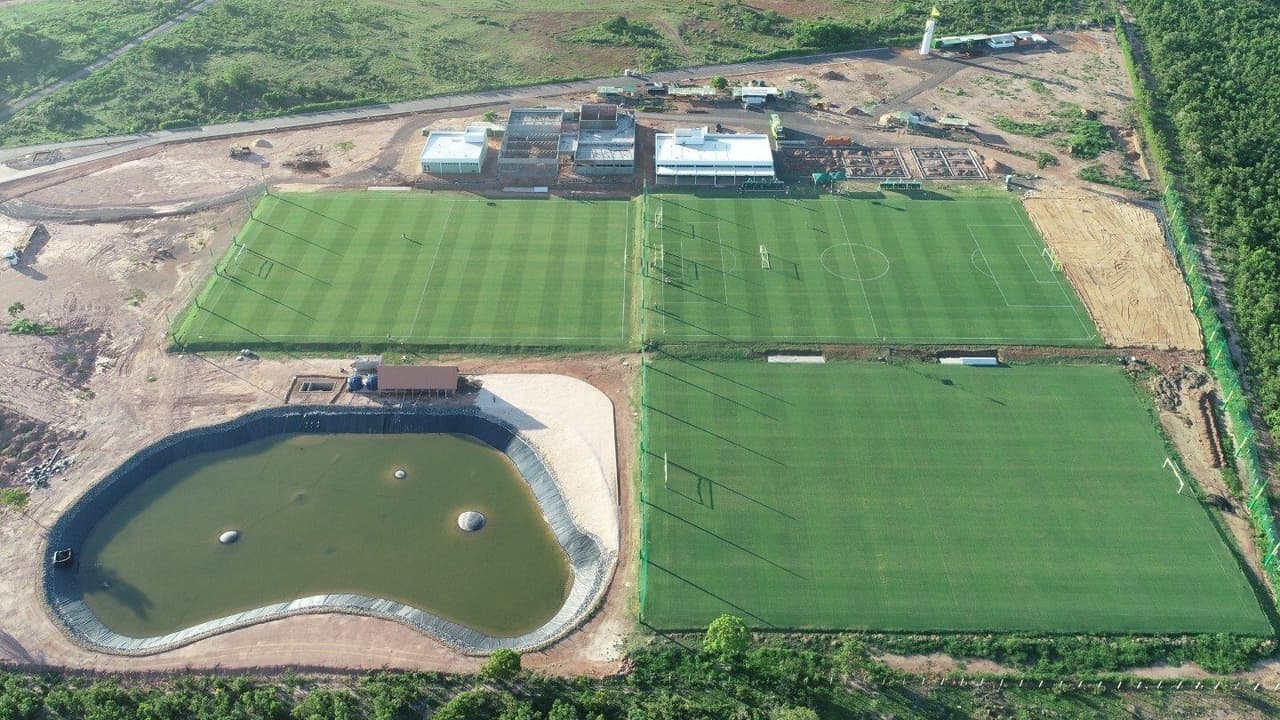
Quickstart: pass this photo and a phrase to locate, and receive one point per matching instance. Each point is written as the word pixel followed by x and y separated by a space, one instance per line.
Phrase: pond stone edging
pixel 591 565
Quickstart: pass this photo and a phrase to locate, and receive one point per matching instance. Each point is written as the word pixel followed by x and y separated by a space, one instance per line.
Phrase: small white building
pixel 1002 41
pixel 453 152
pixel 755 97
pixel 693 156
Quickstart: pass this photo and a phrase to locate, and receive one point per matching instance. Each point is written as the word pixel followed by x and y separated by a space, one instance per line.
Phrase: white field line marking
pixel 682 271
pixel 1034 274
pixel 940 551
pixel 427 282
pixel 875 330
pixel 724 275
pixel 990 269
pixel 663 271
pixel 207 312
pixel 1068 296
pixel 452 338
pixel 1020 306
pixel 626 244
pixel 906 338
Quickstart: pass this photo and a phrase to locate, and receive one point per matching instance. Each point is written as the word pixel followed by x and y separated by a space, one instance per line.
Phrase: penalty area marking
pixel 973 260
pixel 1050 266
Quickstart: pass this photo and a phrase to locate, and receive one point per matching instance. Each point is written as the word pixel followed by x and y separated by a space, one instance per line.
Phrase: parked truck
pixel 13 255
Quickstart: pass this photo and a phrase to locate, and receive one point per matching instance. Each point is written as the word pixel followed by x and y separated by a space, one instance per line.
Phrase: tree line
pixel 725 672
pixel 1217 69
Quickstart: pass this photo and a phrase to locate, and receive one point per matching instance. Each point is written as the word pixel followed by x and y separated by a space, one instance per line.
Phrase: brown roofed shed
pixel 418 379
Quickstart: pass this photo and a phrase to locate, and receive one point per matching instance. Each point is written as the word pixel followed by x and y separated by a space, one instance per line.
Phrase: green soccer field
pixel 923 497
pixel 333 269
pixel 838 269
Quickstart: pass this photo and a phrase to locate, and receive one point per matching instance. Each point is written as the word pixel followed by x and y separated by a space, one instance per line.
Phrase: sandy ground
pixel 1077 70
pixel 137 392
pixel 408 162
pixel 1116 258
pixel 568 419
pixel 852 86
pixel 571 424
pixel 84 275
pixel 195 170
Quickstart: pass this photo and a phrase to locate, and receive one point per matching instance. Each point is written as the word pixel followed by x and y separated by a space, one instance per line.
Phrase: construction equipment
pixel 13 255
pixel 240 151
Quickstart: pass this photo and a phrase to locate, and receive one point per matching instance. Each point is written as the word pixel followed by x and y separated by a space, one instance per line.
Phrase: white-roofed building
pixel 693 156
pixel 1001 41
pixel 450 152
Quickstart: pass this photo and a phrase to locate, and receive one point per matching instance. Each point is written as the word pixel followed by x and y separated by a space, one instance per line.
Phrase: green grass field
pixel 43 40
pixel 855 270
pixel 923 497
pixel 257 58
pixel 341 269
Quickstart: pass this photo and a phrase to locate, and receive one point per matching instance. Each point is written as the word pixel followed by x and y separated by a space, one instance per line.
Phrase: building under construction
pixel 531 143
pixel 606 141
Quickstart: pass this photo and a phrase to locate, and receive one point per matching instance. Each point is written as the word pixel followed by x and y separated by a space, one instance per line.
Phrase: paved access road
pixel 117 145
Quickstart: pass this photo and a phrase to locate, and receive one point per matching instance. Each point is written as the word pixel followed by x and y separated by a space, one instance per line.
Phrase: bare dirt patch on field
pixel 1116 258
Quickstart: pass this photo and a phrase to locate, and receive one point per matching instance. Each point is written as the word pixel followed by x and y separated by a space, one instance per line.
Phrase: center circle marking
pixel 842 261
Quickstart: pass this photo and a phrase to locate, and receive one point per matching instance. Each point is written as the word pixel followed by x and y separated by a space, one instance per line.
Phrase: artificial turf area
pixel 923 497
pixel 842 269
pixel 341 269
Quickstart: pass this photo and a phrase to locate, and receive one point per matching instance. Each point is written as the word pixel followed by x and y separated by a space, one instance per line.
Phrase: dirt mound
pixel 1169 388
pixel 995 167
pixel 832 75
pixel 310 160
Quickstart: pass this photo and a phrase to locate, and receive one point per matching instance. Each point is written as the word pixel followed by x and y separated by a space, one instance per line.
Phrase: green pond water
pixel 324 513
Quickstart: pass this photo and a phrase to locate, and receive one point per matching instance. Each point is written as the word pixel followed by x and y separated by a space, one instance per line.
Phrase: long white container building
pixel 693 156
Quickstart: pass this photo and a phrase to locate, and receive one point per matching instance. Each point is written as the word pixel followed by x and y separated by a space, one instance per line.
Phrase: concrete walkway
pixel 120 144
pixel 18 106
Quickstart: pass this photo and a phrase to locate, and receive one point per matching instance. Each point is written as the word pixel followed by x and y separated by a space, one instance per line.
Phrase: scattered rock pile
pixel 37 476
pixel 29 448
pixel 1167 394
pixel 1168 389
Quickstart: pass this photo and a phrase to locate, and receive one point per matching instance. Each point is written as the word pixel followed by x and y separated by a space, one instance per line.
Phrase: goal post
pixel 1051 259
pixel 1169 463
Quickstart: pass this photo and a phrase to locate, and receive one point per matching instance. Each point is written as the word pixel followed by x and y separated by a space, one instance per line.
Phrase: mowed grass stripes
pixel 855 270
pixel 329 269
pixel 920 497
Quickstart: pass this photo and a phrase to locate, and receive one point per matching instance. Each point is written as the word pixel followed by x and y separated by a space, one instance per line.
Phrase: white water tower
pixel 926 45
